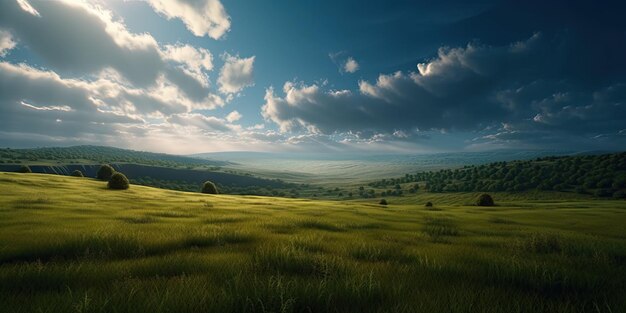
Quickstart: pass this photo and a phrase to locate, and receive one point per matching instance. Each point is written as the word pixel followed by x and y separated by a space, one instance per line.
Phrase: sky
pixel 194 76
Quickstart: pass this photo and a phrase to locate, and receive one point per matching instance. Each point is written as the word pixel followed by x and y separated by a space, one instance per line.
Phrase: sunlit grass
pixel 70 245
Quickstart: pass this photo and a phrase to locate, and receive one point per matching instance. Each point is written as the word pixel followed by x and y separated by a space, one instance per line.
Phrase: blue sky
pixel 184 76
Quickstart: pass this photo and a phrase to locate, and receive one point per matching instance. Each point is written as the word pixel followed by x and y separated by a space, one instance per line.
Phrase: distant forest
pixel 600 175
pixel 100 155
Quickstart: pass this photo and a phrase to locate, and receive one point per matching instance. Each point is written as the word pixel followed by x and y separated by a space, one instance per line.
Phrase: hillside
pixel 100 155
pixel 600 175
pixel 71 245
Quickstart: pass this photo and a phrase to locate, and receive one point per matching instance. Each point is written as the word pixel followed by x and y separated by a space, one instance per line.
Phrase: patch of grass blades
pixel 140 219
pixel 315 224
pixel 542 243
pixel 92 246
pixel 438 228
pixel 216 237
pixel 293 260
pixel 378 253
pixel 35 202
pixel 499 220
pixel 224 219
pixel 172 214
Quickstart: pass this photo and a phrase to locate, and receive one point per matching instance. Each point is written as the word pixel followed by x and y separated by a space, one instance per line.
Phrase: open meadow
pixel 71 245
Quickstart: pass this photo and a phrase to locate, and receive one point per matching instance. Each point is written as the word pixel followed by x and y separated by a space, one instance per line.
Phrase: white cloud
pixel 233 116
pixel 351 65
pixel 6 42
pixel 202 17
pixel 236 74
pixel 27 7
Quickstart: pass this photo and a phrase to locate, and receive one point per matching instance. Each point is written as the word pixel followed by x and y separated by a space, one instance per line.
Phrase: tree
pixel 382 202
pixel 77 173
pixel 24 169
pixel 118 181
pixel 105 172
pixel 485 200
pixel 209 187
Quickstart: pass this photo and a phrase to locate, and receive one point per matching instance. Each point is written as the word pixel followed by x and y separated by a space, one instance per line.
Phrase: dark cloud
pixel 544 83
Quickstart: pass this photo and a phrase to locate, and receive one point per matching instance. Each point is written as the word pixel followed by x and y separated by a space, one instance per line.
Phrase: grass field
pixel 70 245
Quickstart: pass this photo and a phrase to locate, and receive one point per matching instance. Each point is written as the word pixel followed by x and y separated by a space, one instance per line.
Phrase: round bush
pixel 428 204
pixel 383 202
pixel 210 188
pixel 118 181
pixel 77 173
pixel 105 172
pixel 484 200
pixel 620 194
pixel 24 169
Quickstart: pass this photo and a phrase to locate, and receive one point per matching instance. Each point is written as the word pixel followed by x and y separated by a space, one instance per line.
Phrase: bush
pixel 382 202
pixel 428 204
pixel 603 193
pixel 105 172
pixel 620 194
pixel 210 188
pixel 484 200
pixel 77 173
pixel 118 181
pixel 24 169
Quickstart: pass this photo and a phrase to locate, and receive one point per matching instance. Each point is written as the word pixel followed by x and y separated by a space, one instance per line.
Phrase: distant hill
pixel 98 155
pixel 602 175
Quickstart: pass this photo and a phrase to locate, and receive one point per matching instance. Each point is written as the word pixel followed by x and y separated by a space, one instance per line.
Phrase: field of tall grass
pixel 71 245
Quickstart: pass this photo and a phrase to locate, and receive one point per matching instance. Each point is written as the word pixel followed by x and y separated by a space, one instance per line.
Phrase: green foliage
pixel 78 173
pixel 24 169
pixel 209 187
pixel 428 204
pixel 105 172
pixel 484 200
pixel 118 181
pixel 593 174
pixel 619 194
pixel 99 154
pixel 382 202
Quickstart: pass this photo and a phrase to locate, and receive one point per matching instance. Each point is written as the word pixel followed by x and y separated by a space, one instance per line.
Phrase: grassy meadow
pixel 71 245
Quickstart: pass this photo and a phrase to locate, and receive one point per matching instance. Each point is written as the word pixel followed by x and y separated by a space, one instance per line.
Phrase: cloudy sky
pixel 190 76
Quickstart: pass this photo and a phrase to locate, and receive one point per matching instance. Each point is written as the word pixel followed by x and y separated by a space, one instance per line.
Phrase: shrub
pixel 105 172
pixel 382 202
pixel 77 173
pixel 428 204
pixel 118 181
pixel 620 194
pixel 210 188
pixel 484 200
pixel 24 169
pixel 603 193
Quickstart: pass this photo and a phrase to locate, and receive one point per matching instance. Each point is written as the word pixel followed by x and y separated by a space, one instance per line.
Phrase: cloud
pixel 79 39
pixel 351 66
pixel 233 116
pixel 344 64
pixel 203 122
pixel 202 17
pixel 236 74
pixel 6 43
pixel 25 5
pixel 465 89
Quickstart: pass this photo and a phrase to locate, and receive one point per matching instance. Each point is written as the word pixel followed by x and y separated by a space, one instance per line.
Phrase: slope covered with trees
pixel 99 155
pixel 601 175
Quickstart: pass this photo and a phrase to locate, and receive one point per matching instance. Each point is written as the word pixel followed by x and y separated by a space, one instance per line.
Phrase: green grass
pixel 70 245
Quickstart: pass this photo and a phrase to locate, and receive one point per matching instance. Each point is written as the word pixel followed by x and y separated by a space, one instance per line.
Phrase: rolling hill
pixel 70 245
